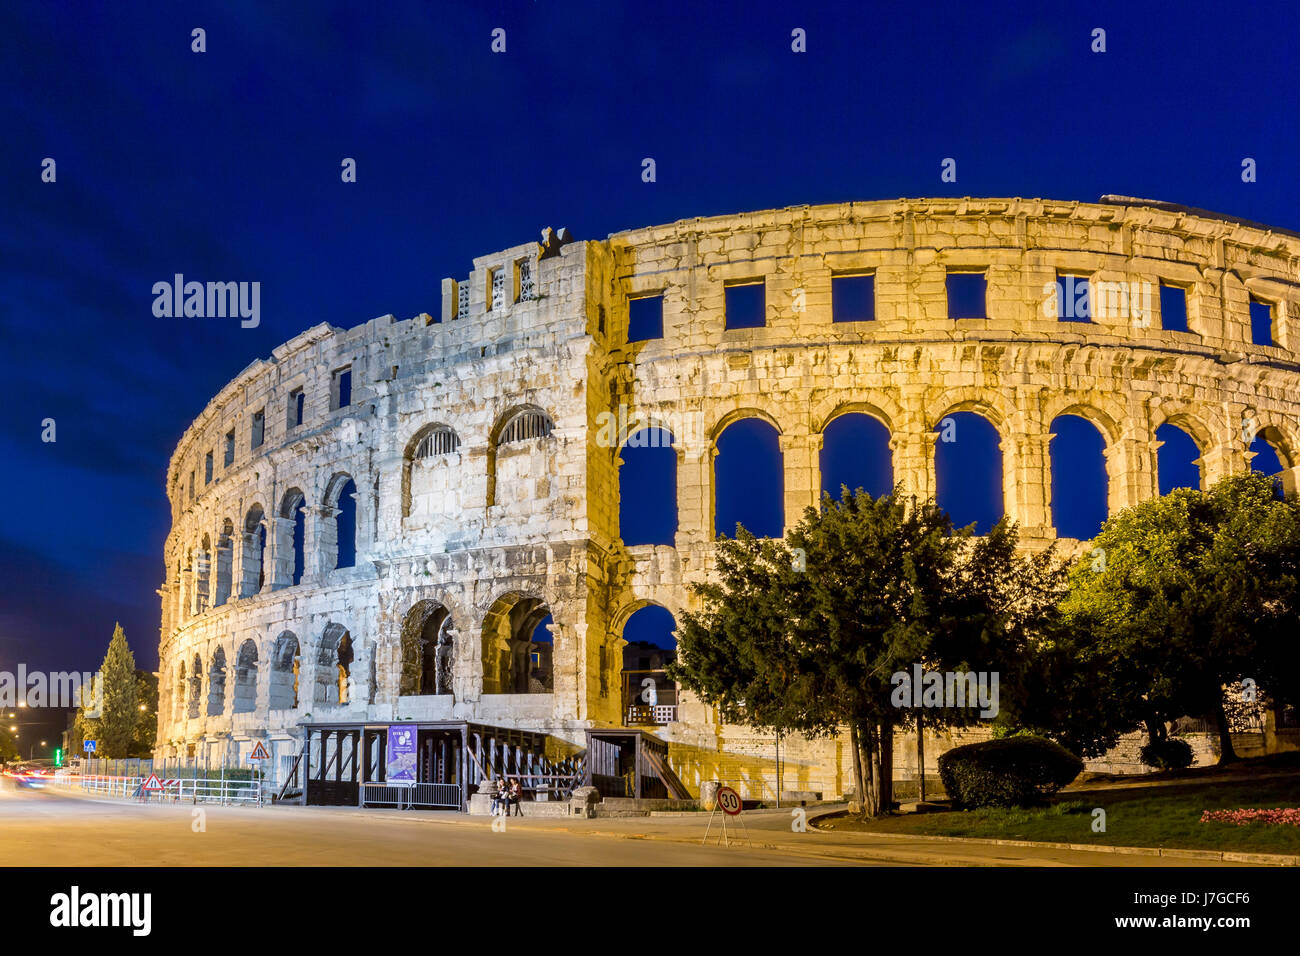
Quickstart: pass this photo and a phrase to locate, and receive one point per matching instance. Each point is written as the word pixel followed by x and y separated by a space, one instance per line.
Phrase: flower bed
pixel 1284 816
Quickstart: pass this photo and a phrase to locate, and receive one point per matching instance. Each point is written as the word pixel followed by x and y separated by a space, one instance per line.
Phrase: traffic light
pixel 58 756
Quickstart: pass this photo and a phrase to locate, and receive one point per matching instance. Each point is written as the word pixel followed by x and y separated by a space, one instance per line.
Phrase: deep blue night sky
pixel 225 165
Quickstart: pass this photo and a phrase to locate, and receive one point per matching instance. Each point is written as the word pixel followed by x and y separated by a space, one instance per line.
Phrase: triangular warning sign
pixel 259 752
pixel 153 783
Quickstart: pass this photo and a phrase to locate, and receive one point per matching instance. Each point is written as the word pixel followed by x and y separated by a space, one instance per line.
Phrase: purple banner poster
pixel 401 752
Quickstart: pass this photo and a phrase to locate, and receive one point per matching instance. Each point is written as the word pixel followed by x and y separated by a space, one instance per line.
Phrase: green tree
pixel 146 729
pixel 1188 593
pixel 8 746
pixel 115 726
pixel 805 635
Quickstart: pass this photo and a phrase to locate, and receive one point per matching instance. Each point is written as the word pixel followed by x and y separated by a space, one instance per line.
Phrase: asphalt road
pixel 58 827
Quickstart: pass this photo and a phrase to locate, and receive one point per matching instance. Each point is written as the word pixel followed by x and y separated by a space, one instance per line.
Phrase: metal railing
pixel 187 790
pixel 406 795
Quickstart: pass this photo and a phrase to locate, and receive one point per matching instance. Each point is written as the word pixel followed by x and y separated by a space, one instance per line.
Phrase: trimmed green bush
pixel 1171 754
pixel 1010 772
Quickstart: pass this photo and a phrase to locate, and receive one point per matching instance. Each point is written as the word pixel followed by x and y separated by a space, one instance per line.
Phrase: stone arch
pixel 524 426
pixel 428 650
pixel 291 539
pixel 878 405
pixel 1079 483
pixel 518 646
pixel 285 661
pixel 335 681
pixel 647 487
pixel 748 477
pixel 339 537
pixel 225 555
pixel 217 684
pixel 1105 415
pixel 968 469
pixel 856 453
pixel 988 405
pixel 430 447
pixel 740 414
pixel 254 553
pixel 245 699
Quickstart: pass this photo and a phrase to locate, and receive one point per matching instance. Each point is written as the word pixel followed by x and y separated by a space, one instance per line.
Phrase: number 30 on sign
pixel 728 801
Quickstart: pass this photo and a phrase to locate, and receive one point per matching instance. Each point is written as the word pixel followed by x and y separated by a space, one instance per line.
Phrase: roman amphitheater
pixel 420 522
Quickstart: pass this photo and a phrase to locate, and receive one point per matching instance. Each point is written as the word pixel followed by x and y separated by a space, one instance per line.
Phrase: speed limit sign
pixel 728 801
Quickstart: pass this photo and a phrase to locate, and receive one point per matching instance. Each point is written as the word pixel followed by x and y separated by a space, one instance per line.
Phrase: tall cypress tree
pixel 120 713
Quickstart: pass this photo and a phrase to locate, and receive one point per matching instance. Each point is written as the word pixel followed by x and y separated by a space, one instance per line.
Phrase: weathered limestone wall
pixel 539 519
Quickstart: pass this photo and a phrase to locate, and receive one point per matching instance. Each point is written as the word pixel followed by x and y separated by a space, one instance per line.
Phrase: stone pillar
pixel 1226 458
pixel 1026 483
pixel 281 556
pixel 223 577
pixel 203 582
pixel 1136 477
pixel 249 566
pixel 323 544
pixel 695 495
pixel 913 452
pixel 801 467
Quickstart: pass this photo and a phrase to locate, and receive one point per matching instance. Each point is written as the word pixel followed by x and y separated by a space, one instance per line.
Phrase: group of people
pixel 507 794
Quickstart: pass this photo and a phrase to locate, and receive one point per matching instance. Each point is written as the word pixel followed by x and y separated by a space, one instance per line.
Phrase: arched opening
pixel 284 673
pixel 225 546
pixel 425 477
pixel 1079 481
pixel 1177 459
pixel 518 647
pixel 253 578
pixel 968 470
pixel 855 454
pixel 649 646
pixel 334 681
pixel 217 684
pixel 343 499
pixel 245 699
pixel 196 688
pixel 291 553
pixel 748 480
pixel 519 455
pixel 428 650
pixel 1269 456
pixel 647 488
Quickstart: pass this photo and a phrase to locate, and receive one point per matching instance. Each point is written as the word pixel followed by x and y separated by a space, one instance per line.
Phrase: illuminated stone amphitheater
pixel 418 522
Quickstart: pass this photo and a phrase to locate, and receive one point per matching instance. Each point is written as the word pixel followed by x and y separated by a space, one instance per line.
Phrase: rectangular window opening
pixel 1261 322
pixel 228 458
pixel 259 429
pixel 341 393
pixel 966 292
pixel 853 298
pixel 297 405
pixel 1173 308
pixel 207 468
pixel 1073 298
pixel 746 305
pixel 645 318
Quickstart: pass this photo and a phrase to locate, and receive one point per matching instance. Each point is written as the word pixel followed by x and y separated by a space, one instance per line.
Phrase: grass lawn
pixel 1156 816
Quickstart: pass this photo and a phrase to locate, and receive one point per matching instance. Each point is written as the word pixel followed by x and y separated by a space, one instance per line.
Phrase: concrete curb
pixel 1226 856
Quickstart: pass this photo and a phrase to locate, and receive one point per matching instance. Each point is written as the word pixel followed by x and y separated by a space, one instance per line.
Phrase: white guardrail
pixel 191 790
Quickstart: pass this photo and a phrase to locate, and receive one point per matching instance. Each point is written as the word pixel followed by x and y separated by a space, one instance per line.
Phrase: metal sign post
pixel 729 802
